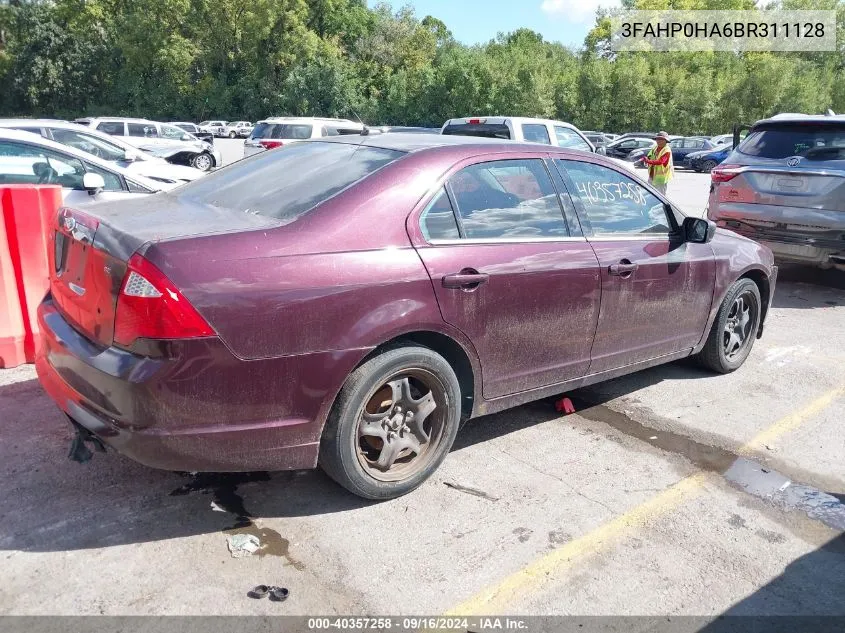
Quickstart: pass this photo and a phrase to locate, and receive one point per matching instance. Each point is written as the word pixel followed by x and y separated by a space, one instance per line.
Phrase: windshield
pixel 296 131
pixel 815 142
pixel 287 182
pixel 204 122
pixel 89 144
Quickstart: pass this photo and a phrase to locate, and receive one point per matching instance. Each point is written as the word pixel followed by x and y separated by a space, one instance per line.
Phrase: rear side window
pixel 492 130
pixel 570 138
pixel 287 182
pixel 536 133
pixel 142 129
pixel 283 130
pixel 815 142
pixel 115 128
pixel 507 199
pixel 438 220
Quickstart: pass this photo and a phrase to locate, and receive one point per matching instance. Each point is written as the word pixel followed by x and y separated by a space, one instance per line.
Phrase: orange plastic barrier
pixel 27 211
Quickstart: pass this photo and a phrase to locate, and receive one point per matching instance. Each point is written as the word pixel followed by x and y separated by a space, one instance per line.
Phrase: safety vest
pixel 660 174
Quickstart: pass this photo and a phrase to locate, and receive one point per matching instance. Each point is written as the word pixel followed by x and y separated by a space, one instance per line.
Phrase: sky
pixel 475 21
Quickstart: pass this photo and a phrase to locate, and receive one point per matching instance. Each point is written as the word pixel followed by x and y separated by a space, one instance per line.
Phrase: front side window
pixel 507 199
pixel 89 144
pixel 147 130
pixel 25 164
pixel 288 182
pixel 569 138
pixel 536 133
pixel 115 128
pixel 172 132
pixel 112 180
pixel 438 220
pixel 615 204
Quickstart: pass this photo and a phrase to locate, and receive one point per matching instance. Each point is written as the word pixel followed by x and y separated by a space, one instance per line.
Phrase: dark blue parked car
pixel 706 160
pixel 681 148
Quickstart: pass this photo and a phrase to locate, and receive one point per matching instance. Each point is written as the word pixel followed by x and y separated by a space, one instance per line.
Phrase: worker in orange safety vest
pixel 660 165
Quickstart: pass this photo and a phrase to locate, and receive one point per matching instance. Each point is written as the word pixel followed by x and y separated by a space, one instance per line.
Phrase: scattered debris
pixel 216 507
pixel 243 545
pixel 277 594
pixel 470 491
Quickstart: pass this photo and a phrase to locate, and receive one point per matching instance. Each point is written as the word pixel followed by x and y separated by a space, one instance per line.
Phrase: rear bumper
pixel 821 242
pixel 198 409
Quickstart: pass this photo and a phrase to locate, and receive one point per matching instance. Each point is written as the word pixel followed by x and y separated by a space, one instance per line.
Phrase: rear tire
pixel 405 404
pixel 734 329
pixel 232 135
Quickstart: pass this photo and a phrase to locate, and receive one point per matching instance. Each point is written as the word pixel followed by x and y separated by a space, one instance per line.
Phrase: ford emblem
pixel 793 162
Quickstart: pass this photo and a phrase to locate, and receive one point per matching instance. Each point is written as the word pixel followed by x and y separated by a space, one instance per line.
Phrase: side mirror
pixel 93 183
pixel 699 230
pixel 129 156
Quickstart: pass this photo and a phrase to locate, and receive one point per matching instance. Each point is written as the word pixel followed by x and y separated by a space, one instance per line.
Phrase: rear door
pixel 512 271
pixel 656 289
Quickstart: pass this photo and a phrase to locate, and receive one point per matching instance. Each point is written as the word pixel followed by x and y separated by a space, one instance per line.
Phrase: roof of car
pixel 41 122
pixel 792 117
pixel 307 119
pixel 515 119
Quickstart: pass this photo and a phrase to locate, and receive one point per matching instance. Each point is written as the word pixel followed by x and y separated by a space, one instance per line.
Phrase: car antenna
pixel 365 131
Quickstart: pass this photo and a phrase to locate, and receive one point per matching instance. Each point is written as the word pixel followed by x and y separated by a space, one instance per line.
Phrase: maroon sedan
pixel 348 302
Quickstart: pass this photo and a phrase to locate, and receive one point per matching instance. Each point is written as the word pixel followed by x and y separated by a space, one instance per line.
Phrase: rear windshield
pixel 485 130
pixel 814 142
pixel 297 131
pixel 287 182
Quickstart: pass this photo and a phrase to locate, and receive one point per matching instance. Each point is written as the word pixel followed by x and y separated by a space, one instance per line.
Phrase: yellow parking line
pixel 493 599
pixel 792 421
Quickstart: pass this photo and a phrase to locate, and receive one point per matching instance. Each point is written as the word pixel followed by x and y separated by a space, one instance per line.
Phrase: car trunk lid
pixel 91 250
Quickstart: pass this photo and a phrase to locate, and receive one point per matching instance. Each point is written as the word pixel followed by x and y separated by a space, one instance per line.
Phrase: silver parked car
pixel 108 148
pixel 167 141
pixel 784 185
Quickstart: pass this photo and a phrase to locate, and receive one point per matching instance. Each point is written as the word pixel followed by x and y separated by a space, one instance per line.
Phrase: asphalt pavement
pixel 668 492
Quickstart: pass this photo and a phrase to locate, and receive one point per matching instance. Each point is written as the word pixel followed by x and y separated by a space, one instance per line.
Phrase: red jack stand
pixel 565 406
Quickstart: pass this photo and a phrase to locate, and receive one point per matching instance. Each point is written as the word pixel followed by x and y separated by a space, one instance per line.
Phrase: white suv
pixel 278 131
pixel 173 144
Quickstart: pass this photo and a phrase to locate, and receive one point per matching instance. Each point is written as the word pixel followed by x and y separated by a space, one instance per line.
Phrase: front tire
pixel 734 329
pixel 708 166
pixel 203 161
pixel 392 424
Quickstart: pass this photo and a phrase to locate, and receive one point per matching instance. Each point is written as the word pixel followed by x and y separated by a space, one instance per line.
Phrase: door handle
pixel 623 269
pixel 467 279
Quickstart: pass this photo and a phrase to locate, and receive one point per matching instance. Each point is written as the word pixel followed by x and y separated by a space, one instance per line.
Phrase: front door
pixel 512 273
pixel 656 288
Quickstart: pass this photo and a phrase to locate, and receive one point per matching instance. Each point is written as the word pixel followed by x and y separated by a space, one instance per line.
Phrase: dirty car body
pixel 784 186
pixel 261 310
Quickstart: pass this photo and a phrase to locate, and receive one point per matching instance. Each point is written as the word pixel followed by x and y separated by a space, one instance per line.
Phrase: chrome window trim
pixel 507 240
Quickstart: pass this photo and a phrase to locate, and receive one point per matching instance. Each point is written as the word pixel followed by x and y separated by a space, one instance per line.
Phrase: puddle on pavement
pixel 706 457
pixel 745 474
pixel 223 487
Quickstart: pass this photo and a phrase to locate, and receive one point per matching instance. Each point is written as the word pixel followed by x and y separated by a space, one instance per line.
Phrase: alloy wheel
pixel 202 162
pixel 401 425
pixel 737 333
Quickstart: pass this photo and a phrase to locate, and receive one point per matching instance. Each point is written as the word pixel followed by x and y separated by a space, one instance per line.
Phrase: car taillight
pixel 476 121
pixel 271 144
pixel 150 306
pixel 724 173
